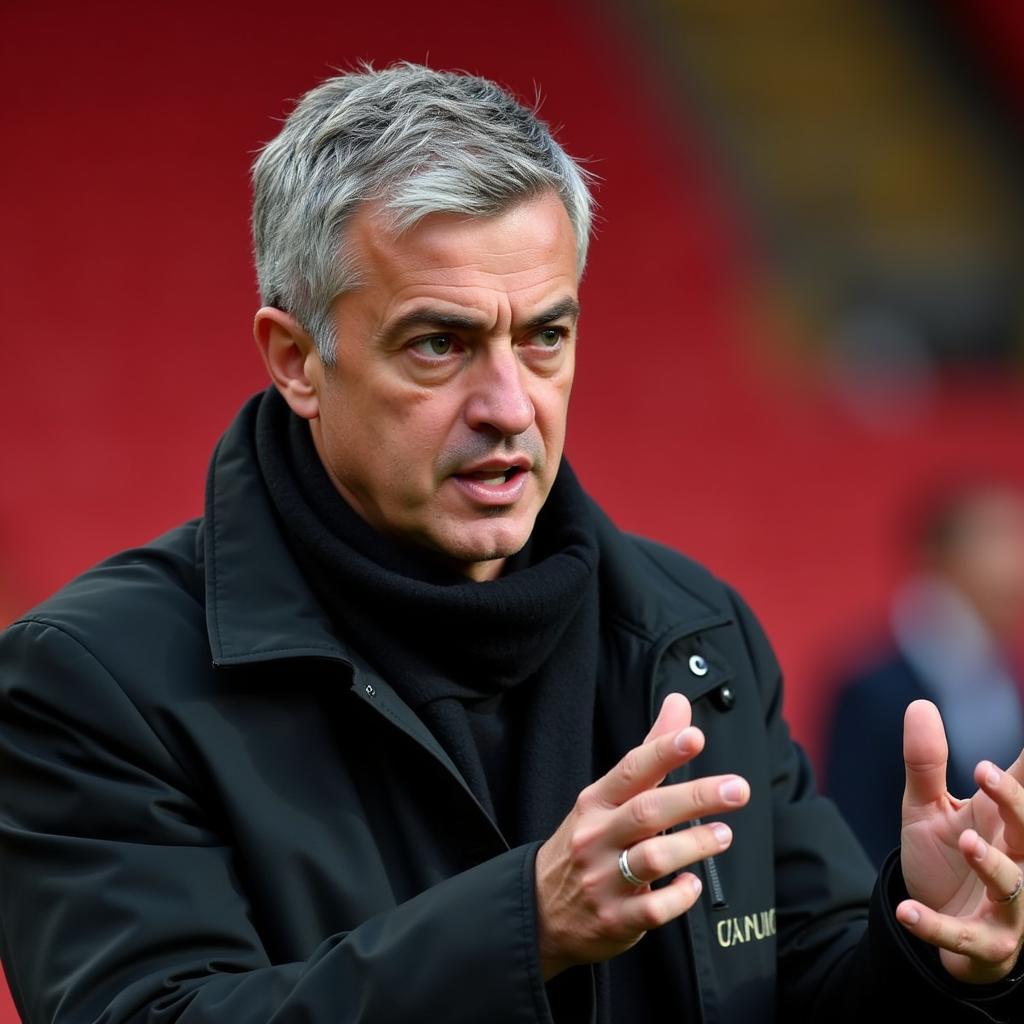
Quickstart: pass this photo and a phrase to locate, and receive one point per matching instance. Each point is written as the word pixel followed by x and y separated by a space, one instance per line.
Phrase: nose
pixel 499 399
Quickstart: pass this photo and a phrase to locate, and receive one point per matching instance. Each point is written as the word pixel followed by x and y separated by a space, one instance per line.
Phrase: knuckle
pixel 1003 948
pixel 700 797
pixel 630 767
pixel 664 749
pixel 683 898
pixel 590 884
pixel 651 915
pixel 580 842
pixel 654 861
pixel 963 940
pixel 607 919
pixel 577 847
pixel 644 809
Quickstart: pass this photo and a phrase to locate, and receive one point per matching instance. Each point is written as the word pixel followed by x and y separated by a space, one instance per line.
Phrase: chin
pixel 489 543
pixel 487 553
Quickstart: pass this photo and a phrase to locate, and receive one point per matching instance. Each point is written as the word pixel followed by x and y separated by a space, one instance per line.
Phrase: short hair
pixel 949 515
pixel 417 140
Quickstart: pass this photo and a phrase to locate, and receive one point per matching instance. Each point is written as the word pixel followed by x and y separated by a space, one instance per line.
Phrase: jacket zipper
pixel 718 901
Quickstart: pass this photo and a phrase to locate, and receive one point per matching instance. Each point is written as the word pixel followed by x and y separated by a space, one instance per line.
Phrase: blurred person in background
pixel 954 627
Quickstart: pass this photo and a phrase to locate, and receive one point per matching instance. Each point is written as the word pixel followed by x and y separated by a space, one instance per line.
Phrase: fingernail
pixel 722 833
pixel 732 791
pixel 993 775
pixel 682 739
pixel 910 915
pixel 980 849
pixel 695 882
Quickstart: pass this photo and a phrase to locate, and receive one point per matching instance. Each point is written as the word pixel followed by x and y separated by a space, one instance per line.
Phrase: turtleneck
pixel 498 670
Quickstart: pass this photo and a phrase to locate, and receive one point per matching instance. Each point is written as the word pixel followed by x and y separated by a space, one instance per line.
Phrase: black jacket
pixel 213 810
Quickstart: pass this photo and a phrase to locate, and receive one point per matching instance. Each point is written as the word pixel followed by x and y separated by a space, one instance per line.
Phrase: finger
pixel 645 767
pixel 674 716
pixel 1017 768
pixel 978 939
pixel 925 754
pixel 1008 796
pixel 655 810
pixel 999 873
pixel 654 858
pixel 655 907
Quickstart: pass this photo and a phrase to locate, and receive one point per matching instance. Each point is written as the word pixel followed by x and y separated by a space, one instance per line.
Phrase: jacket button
pixel 698 665
pixel 370 691
pixel 725 697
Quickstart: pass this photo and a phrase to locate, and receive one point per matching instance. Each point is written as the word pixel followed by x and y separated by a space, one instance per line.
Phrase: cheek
pixel 551 407
pixel 411 431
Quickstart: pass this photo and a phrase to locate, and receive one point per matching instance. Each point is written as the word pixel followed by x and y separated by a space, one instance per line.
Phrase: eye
pixel 550 337
pixel 436 346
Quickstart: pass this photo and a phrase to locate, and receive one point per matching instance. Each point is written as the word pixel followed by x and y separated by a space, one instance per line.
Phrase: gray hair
pixel 416 140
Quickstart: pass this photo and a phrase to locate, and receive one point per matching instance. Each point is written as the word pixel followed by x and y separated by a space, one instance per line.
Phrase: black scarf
pixel 502 672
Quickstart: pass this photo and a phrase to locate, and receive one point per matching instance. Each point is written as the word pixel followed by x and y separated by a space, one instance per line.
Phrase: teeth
pixel 492 480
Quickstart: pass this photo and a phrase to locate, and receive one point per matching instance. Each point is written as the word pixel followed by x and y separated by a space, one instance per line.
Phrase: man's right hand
pixel 586 909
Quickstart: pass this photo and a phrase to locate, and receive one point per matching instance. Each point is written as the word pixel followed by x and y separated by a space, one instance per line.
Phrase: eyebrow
pixel 428 316
pixel 563 308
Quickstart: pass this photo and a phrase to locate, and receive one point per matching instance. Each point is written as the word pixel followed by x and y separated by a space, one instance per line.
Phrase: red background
pixel 127 296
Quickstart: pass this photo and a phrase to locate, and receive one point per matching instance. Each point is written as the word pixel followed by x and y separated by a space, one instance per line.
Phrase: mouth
pixel 493 477
pixel 493 485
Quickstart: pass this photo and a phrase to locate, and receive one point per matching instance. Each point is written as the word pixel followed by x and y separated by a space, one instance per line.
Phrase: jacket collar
pixel 651 589
pixel 258 605
pixel 671 605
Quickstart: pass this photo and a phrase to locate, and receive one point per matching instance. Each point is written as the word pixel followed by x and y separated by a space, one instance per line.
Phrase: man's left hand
pixel 962 859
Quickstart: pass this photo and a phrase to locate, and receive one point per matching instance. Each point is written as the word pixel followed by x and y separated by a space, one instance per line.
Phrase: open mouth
pixel 494 478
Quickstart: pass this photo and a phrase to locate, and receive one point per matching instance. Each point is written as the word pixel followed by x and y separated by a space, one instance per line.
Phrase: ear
pixel 291 359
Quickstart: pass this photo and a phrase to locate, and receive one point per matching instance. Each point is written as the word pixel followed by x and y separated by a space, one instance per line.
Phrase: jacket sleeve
pixel 119 902
pixel 842 959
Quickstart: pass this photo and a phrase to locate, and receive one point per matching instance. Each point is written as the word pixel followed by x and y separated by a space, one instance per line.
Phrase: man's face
pixel 986 560
pixel 443 421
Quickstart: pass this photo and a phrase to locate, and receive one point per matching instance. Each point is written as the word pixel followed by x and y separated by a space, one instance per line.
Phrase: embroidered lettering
pixel 733 931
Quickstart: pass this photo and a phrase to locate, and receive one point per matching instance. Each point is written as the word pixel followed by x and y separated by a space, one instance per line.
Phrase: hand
pixel 586 910
pixel 961 858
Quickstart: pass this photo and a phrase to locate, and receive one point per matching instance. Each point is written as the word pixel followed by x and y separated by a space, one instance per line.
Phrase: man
pixel 953 625
pixel 328 753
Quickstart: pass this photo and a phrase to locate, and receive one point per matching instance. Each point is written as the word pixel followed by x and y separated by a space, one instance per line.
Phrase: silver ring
pixel 1003 899
pixel 633 880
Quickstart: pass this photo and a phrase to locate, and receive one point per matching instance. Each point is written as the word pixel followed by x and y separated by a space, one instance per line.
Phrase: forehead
pixel 524 251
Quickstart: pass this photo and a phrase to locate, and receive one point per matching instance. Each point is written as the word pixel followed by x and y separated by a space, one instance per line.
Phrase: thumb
pixel 673 716
pixel 925 753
